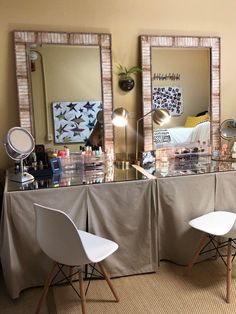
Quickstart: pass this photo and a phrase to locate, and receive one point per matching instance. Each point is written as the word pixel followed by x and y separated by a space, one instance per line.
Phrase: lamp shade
pixel 120 117
pixel 161 116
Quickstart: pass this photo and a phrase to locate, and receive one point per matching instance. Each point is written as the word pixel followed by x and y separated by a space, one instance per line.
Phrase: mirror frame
pixel 150 41
pixel 22 39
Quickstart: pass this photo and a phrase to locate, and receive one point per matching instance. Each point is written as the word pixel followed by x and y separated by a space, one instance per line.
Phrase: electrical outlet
pixel 50 138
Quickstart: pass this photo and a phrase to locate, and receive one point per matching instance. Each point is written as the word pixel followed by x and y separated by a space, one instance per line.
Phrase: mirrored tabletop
pixel 189 165
pixel 74 178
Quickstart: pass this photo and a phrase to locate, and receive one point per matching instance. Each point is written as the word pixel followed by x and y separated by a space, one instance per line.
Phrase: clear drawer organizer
pixel 80 162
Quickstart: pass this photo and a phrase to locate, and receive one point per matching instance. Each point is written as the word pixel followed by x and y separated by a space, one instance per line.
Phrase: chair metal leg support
pixel 229 271
pixel 71 273
pixel 46 287
pixel 108 280
pixel 82 293
pixel 199 248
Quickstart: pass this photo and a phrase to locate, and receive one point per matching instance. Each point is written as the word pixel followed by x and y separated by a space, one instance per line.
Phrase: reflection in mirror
pixel 181 74
pixel 64 80
pixel 66 92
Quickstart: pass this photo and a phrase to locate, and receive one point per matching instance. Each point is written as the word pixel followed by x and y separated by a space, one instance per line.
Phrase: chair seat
pixel 217 223
pixel 97 248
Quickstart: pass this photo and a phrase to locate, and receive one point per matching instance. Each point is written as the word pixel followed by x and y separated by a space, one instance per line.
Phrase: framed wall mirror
pixel 181 74
pixel 64 80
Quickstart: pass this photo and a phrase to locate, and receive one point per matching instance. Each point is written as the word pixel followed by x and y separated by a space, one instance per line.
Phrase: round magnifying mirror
pixel 228 129
pixel 19 143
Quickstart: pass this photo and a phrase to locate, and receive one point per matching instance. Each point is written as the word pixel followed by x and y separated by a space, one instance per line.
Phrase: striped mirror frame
pixel 22 39
pixel 150 41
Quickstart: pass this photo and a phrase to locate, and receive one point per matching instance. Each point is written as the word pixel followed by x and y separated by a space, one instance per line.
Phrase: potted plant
pixel 126 82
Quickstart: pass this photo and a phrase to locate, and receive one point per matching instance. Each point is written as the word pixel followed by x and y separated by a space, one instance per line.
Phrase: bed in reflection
pixel 183 135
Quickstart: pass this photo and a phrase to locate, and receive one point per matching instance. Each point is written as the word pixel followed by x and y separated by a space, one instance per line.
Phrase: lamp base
pixel 22 177
pixel 122 164
pixel 137 162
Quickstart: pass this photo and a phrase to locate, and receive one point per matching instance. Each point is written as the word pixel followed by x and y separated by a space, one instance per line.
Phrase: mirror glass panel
pixel 64 80
pixel 182 75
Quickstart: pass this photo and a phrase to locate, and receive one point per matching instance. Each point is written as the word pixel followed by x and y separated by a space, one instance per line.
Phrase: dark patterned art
pixel 168 97
pixel 74 121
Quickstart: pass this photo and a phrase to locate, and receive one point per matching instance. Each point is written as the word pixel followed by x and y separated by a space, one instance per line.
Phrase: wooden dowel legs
pixel 198 250
pixel 108 280
pixel 46 287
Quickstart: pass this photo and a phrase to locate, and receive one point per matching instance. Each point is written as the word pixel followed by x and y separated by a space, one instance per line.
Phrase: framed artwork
pixel 168 97
pixel 74 121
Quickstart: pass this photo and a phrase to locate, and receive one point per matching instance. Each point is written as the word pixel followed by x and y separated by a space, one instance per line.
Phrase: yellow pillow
pixel 193 121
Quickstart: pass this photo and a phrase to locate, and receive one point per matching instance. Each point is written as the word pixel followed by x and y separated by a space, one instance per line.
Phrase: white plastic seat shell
pixel 60 239
pixel 64 243
pixel 219 223
pixel 97 248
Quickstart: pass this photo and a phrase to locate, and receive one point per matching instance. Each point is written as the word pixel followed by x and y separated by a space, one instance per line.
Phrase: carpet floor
pixel 167 291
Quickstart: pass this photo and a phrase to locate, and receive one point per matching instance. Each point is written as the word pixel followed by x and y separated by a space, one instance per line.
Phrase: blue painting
pixel 74 121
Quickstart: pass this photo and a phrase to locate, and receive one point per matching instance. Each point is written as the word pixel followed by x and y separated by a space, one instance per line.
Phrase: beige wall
pixel 125 20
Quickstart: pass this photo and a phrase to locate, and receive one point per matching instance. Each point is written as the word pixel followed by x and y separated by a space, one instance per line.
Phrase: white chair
pixel 59 238
pixel 214 225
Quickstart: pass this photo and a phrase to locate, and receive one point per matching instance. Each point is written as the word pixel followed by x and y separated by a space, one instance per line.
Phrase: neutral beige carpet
pixel 167 291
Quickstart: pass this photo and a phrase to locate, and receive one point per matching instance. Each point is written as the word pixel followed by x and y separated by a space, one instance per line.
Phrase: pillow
pixel 191 121
pixel 201 113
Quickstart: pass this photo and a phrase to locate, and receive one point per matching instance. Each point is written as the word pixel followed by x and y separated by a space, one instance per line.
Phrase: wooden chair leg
pixel 229 271
pixel 82 293
pixel 46 287
pixel 108 280
pixel 198 250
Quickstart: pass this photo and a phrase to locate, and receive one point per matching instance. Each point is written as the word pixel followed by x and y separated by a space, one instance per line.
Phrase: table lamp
pixel 120 119
pixel 159 116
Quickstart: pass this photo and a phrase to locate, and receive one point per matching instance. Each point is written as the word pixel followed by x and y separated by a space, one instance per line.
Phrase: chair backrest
pixel 58 236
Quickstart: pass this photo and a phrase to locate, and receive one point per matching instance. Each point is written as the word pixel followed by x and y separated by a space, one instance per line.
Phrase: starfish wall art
pixel 74 121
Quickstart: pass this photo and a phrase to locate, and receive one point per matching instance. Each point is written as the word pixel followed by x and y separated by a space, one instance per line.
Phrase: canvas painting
pixel 168 97
pixel 74 121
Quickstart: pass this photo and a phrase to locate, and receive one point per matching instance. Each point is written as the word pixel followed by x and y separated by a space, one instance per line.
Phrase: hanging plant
pixel 126 82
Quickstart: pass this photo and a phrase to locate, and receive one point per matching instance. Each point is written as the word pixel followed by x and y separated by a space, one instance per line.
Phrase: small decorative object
pixel 56 165
pixel 224 150
pixel 126 82
pixel 165 76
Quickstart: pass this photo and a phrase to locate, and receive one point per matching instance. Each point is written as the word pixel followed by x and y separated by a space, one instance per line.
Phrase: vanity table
pixel 121 210
pixel 148 218
pixel 186 190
